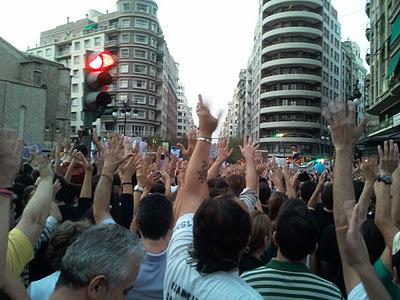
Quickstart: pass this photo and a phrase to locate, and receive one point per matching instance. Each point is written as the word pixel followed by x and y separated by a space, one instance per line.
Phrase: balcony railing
pixel 368 8
pixel 368 32
pixel 65 52
pixel 385 124
pixel 368 57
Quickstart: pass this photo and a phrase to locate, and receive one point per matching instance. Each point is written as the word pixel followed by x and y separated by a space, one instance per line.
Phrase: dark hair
pixel 307 189
pixel 24 179
pixel 217 187
pixel 158 187
pixel 260 228
pixel 155 216
pixel 358 188
pixel 221 231
pixel 26 169
pixel 82 148
pixel 296 230
pixel 68 191
pixel 303 176
pixel 237 183
pixel 327 195
pixel 373 239
pixel 275 202
pixel 63 237
pixel 264 192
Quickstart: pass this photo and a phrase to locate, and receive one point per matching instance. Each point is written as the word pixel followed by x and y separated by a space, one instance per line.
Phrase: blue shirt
pixel 43 288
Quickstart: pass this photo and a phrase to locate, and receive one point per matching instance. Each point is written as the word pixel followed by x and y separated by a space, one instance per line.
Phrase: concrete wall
pixel 22 107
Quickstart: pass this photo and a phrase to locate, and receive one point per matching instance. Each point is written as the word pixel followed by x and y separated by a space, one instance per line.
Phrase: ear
pixel 274 239
pixel 97 288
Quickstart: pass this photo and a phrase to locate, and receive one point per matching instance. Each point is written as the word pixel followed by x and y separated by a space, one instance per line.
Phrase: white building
pixel 185 119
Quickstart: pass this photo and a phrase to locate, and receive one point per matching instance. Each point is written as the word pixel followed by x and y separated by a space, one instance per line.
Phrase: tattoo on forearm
pixel 203 172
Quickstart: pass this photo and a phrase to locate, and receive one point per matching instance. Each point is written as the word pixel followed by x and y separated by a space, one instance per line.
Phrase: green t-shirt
pixel 387 280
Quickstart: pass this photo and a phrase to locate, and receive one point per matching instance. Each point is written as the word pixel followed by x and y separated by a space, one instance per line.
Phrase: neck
pixel 156 246
pixel 282 258
pixel 258 253
pixel 64 293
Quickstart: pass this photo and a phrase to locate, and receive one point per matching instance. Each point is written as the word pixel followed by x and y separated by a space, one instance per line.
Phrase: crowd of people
pixel 129 225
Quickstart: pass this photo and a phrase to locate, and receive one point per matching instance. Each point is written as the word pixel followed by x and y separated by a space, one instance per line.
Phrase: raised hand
pixel 223 150
pixel 369 169
pixel 207 122
pixel 115 154
pixel 342 124
pixel 10 156
pixel 192 140
pixel 388 158
pixel 248 149
pixel 45 170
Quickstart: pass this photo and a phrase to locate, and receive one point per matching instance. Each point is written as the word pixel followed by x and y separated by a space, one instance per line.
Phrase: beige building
pixel 384 60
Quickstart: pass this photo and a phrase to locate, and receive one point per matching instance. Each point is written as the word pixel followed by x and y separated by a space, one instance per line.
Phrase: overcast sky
pixel 211 39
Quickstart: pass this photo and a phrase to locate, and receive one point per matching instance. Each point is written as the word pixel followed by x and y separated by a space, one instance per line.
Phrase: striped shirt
pixel 284 280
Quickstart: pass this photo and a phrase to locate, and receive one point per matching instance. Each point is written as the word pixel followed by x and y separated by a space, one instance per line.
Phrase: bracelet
pixel 126 183
pixel 204 139
pixel 107 177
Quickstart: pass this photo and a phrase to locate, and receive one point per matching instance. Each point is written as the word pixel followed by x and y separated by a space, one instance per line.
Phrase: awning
pixel 393 63
pixel 90 27
pixel 395 30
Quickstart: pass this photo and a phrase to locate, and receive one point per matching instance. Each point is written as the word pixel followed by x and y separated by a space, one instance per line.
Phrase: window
pixel 124 53
pixel 139 53
pixel 152 100
pixel 154 27
pixel 139 84
pixel 77 46
pixel 151 130
pixel 86 43
pixel 126 7
pixel 152 71
pixel 73 129
pixel 153 42
pixel 75 73
pixel 138 130
pixel 154 11
pixel 125 23
pixel 77 60
pixel 141 69
pixel 48 52
pixel 75 88
pixel 152 86
pixel 97 41
pixel 123 83
pixel 39 53
pixel 153 57
pixel 73 116
pixel 151 115
pixel 74 102
pixel 141 38
pixel 125 38
pixel 141 23
pixel 141 99
pixel 123 68
pixel 141 114
pixel 123 97
pixel 142 8
pixel 37 77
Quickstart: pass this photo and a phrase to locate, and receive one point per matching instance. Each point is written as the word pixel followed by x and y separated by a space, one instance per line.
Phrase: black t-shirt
pixel 249 262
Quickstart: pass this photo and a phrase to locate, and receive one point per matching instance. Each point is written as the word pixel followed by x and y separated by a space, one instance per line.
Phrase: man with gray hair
pixel 101 264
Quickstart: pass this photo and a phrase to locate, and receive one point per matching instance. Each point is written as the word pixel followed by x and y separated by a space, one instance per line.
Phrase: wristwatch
pixel 138 189
pixel 385 179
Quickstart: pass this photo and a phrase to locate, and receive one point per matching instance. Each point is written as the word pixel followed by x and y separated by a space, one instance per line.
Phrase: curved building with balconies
pixel 291 90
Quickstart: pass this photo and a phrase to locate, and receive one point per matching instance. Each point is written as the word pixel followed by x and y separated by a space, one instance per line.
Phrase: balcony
pixel 368 58
pixel 291 46
pixel 291 94
pixel 291 16
pixel 292 62
pixel 289 124
pixel 291 77
pixel 274 4
pixel 290 108
pixel 289 140
pixel 111 44
pixel 368 8
pixel 368 32
pixel 390 123
pixel 388 99
pixel 293 31
pixel 63 53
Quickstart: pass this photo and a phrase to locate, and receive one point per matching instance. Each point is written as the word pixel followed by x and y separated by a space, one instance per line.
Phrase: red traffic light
pixel 100 62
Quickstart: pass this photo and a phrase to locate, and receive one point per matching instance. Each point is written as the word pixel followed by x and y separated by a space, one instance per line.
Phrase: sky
pixel 210 39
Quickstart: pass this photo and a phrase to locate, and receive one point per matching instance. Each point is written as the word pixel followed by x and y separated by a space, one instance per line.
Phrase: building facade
pixel 146 76
pixel 293 71
pixel 34 96
pixel 185 119
pixel 230 127
pixel 384 61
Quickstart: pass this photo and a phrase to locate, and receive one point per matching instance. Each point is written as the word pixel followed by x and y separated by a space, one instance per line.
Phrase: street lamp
pixel 280 135
pixel 126 111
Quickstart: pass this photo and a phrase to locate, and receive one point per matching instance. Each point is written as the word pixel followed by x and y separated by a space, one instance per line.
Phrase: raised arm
pixel 249 152
pixel 195 188
pixel 99 146
pixel 388 162
pixel 191 140
pixel 223 153
pixel 114 157
pixel 37 210
pixel 396 198
pixel 345 133
pixel 86 191
pixel 10 160
pixel 369 170
pixel 312 203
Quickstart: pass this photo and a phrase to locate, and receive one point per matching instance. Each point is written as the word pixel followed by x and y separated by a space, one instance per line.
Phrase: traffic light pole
pixel 87 117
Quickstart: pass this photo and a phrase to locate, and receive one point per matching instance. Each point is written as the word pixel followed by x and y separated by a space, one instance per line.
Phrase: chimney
pixel 107 11
pixel 87 15
pixel 67 20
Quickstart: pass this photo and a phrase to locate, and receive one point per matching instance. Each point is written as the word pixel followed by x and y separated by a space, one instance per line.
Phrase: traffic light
pixel 97 79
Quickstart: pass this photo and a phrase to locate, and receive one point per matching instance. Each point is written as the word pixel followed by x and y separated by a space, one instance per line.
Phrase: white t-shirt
pixel 182 281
